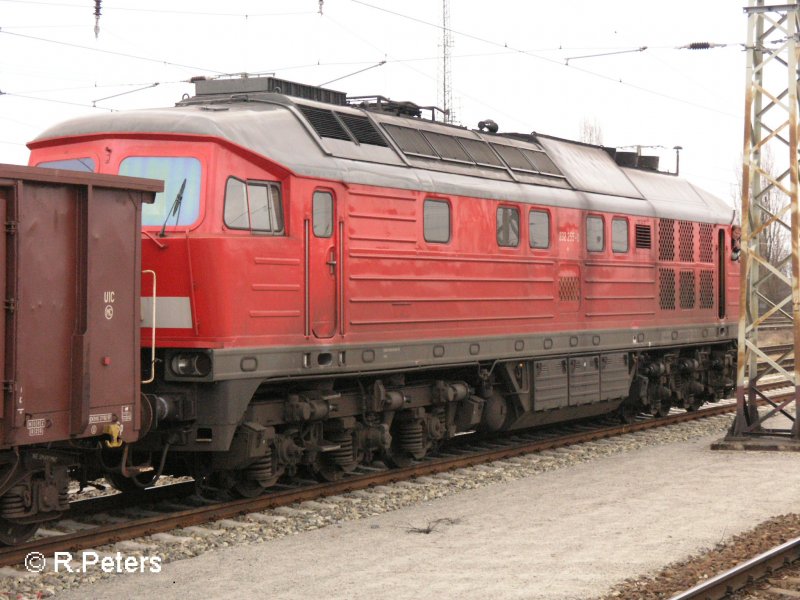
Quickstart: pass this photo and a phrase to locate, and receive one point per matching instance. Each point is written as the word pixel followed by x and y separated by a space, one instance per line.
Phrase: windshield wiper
pixel 175 209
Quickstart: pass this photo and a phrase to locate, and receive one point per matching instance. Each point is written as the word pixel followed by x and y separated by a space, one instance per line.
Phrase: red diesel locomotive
pixel 330 281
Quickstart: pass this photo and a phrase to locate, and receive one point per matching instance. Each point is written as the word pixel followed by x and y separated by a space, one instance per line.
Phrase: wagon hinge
pixel 10 304
pixel 11 227
pixel 9 386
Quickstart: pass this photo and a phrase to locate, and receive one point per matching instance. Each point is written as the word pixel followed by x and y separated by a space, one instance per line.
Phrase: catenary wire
pixel 551 60
pixel 112 52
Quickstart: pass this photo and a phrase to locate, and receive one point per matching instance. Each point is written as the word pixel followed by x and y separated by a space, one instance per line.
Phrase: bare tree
pixel 591 132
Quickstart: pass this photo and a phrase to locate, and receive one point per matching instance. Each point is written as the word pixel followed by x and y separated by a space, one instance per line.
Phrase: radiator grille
pixel 706 242
pixel 666 239
pixel 687 289
pixel 569 289
pixel 666 284
pixel 706 289
pixel 686 247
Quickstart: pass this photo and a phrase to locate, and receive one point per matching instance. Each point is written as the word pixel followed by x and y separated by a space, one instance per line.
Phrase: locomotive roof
pixel 353 145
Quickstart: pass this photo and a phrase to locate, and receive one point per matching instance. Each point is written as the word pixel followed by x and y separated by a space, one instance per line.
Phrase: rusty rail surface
pixel 744 574
pixel 500 449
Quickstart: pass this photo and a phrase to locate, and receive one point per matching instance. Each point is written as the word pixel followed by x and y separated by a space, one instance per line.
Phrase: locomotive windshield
pixel 178 174
pixel 71 164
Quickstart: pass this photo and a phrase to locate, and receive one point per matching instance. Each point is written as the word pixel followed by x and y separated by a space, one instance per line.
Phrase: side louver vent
pixel 643 236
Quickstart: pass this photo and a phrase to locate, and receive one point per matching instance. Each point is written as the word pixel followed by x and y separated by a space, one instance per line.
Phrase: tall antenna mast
pixel 447 44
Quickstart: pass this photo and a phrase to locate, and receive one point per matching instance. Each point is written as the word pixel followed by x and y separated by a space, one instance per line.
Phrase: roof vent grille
pixel 362 129
pixel 324 122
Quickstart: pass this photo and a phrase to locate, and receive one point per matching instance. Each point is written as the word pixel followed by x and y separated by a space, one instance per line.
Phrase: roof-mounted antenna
pixel 678 159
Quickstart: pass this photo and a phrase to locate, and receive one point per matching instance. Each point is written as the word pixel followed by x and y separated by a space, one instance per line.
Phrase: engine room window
pixel 85 165
pixel 254 205
pixel 507 226
pixel 436 221
pixel 323 214
pixel 595 239
pixel 619 235
pixel 179 203
pixel 539 229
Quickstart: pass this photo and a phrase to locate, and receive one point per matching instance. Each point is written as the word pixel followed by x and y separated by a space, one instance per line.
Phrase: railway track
pixel 160 513
pixel 776 352
pixel 743 577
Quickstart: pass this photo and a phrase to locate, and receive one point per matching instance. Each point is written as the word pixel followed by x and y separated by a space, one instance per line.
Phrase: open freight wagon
pixel 70 286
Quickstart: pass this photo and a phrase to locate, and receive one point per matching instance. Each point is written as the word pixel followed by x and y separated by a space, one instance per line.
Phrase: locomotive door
pixel 323 265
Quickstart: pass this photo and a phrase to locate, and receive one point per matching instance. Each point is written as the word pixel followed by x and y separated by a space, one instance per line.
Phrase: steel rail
pixel 110 534
pixel 742 575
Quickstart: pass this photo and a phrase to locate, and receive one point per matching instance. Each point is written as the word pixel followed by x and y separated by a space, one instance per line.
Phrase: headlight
pixel 191 364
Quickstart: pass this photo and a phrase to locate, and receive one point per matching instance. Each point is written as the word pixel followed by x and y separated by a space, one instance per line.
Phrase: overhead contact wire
pixel 111 52
pixel 551 60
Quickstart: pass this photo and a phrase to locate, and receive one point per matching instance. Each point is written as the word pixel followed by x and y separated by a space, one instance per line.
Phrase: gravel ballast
pixel 568 523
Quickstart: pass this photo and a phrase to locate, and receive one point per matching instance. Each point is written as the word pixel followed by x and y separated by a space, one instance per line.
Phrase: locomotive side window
pixel 179 203
pixel 507 226
pixel 619 235
pixel 436 221
pixel 539 229
pixel 236 213
pixel 71 164
pixel 322 217
pixel 254 205
pixel 595 236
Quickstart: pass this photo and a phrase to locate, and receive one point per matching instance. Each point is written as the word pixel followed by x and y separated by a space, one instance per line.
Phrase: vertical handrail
pixel 152 330
pixel 340 280
pixel 306 278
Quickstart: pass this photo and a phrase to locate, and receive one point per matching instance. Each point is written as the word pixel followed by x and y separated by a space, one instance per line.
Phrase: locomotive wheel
pixel 330 472
pixel 695 404
pixel 397 455
pixel 399 459
pixel 126 484
pixel 334 464
pixel 628 412
pixel 662 410
pixel 252 481
pixel 12 533
pixel 249 489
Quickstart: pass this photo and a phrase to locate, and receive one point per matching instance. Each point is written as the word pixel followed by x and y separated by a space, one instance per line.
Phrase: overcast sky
pixel 508 64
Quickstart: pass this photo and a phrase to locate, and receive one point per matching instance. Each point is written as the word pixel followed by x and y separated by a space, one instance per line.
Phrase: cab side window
pixel 539 229
pixel 595 236
pixel 436 221
pixel 619 235
pixel 254 205
pixel 322 214
pixel 507 226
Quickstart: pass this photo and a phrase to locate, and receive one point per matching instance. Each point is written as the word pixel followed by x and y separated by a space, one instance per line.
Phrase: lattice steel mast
pixel 769 198
pixel 447 45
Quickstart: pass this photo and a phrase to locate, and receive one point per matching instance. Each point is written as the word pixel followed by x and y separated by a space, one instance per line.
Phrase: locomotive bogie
pixel 330 427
